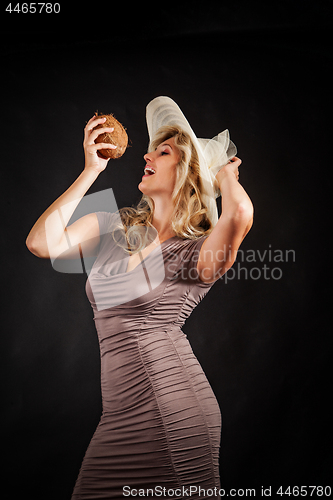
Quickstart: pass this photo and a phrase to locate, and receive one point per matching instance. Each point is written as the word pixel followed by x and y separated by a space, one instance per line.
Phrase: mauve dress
pixel 161 423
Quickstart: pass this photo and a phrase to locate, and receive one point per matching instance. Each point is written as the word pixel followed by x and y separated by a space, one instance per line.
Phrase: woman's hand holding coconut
pixel 96 161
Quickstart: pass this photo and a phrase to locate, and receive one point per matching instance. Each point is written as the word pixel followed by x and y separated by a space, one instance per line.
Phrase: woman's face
pixel 163 161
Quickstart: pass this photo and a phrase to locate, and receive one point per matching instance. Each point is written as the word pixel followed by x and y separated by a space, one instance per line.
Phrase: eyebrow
pixel 164 144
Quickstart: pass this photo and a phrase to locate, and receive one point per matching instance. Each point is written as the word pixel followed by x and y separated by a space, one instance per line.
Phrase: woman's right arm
pixel 56 238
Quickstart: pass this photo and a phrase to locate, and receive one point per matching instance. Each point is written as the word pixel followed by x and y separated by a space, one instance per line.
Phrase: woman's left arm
pixel 219 250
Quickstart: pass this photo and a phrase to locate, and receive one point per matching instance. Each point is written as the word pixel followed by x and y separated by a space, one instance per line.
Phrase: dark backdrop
pixel 262 339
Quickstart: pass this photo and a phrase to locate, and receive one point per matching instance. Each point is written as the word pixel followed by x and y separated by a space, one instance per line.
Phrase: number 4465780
pixel 34 8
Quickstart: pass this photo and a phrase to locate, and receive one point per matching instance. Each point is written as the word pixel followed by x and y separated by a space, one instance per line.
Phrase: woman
pixel 160 426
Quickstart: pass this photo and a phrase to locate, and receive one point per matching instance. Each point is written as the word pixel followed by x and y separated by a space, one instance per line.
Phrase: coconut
pixel 118 137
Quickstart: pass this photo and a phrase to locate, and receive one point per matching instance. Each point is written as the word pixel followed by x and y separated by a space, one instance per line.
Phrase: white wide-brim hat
pixel 213 153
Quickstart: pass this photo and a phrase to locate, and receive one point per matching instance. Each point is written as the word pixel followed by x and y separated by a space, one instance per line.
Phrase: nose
pixel 148 157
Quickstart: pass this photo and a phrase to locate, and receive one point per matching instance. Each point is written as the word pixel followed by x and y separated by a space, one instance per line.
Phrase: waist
pixel 132 362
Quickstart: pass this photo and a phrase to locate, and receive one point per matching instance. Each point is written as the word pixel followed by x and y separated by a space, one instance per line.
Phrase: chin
pixel 140 188
pixel 143 188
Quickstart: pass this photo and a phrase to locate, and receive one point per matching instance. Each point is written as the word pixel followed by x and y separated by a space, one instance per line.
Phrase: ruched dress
pixel 160 425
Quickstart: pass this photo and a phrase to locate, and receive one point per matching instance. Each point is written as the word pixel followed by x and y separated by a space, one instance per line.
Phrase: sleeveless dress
pixel 160 425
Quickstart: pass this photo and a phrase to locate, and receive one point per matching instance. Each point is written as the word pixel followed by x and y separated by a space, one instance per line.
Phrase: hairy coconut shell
pixel 118 137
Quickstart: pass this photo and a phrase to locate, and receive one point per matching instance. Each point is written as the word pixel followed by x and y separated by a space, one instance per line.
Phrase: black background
pixel 264 72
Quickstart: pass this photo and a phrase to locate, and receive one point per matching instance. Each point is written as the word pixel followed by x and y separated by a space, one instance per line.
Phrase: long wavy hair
pixel 190 215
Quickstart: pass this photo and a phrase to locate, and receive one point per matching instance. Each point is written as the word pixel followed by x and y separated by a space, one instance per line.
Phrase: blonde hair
pixel 189 219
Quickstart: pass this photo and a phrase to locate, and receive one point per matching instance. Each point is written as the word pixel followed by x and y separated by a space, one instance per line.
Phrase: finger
pixel 95 133
pixel 90 125
pixel 104 145
pixel 92 149
pixel 93 118
pixel 235 161
pixel 93 122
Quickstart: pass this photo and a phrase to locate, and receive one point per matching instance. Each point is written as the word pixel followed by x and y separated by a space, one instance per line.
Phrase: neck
pixel 162 218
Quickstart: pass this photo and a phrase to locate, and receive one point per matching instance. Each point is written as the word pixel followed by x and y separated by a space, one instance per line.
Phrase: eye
pixel 164 153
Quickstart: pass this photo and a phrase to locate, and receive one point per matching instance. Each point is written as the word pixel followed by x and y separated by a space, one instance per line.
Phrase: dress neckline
pixel 143 260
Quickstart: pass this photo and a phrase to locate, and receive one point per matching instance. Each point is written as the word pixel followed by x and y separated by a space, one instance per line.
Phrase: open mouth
pixel 149 171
